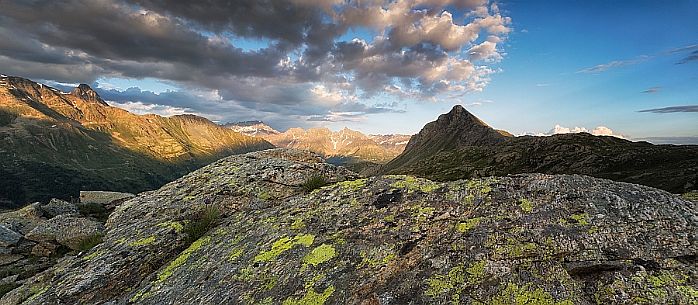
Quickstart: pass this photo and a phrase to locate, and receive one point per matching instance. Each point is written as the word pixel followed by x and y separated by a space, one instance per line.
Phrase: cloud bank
pixel 673 109
pixel 298 59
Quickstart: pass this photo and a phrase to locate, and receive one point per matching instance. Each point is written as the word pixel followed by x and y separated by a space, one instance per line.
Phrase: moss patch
pixel 468 225
pixel 319 255
pixel 284 244
pixel 143 241
pixel 311 297
pixel 526 205
pixel 182 258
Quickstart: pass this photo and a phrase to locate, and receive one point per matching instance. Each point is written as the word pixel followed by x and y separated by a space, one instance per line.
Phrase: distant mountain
pixel 54 144
pixel 345 147
pixel 458 145
pixel 252 128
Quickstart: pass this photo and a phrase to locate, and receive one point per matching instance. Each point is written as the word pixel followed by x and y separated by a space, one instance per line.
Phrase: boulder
pixel 102 197
pixel 23 220
pixel 8 237
pixel 57 207
pixel 67 230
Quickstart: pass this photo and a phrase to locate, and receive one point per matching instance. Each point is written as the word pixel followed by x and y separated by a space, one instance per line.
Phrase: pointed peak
pixel 86 92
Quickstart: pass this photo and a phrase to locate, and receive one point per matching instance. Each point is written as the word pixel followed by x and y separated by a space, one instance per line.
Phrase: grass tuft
pixel 90 242
pixel 314 182
pixel 202 223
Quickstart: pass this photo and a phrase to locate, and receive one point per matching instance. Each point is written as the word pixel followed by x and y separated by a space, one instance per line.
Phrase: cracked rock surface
pixel 522 239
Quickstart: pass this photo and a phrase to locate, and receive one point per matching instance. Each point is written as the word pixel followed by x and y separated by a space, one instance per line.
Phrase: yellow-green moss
pixel 284 244
pixel 468 224
pixel 311 297
pixel 95 254
pixel 413 184
pixel 444 283
pixel 353 185
pixel 297 224
pixel 582 219
pixel 235 254
pixel 143 241
pixel 515 295
pixel 526 205
pixel 476 272
pixel 376 258
pixel 481 186
pixel 174 225
pixel 141 294
pixel 182 258
pixel 319 255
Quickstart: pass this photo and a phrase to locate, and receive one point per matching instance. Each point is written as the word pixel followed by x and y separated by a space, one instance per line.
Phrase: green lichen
pixel 235 254
pixel 480 186
pixel 476 272
pixel 376 258
pixel 513 294
pixel 174 225
pixel 514 248
pixel 264 195
pixel 352 185
pixel 468 224
pixel 143 241
pixel 526 205
pixel 311 297
pixel 36 291
pixel 582 219
pixel 94 255
pixel 284 244
pixel 141 294
pixel 182 258
pixel 319 255
pixel 452 282
pixel 413 184
pixel 298 224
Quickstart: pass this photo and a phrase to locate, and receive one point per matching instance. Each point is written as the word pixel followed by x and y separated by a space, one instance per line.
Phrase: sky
pixel 625 68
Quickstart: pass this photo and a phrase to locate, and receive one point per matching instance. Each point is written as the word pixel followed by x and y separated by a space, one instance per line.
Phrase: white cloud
pixel 141 108
pixel 598 131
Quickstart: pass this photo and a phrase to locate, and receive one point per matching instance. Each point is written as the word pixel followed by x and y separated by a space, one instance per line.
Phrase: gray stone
pixel 67 230
pixel 103 197
pixel 57 207
pixel 8 237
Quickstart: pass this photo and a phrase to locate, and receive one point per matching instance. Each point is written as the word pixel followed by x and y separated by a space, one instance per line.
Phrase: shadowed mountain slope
pixel 458 145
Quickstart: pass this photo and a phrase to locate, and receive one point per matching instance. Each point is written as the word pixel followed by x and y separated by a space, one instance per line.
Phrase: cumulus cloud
pixel 598 131
pixel 673 109
pixel 301 66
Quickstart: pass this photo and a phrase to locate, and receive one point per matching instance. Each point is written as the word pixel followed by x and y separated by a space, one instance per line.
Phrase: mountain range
pixel 458 145
pixel 54 144
pixel 344 147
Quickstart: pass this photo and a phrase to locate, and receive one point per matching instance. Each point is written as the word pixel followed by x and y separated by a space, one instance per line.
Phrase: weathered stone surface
pixel 9 258
pixel 528 239
pixel 23 220
pixel 44 249
pixel 8 237
pixel 103 197
pixel 57 207
pixel 67 230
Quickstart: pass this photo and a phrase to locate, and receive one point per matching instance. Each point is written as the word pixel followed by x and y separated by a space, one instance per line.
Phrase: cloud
pixel 141 108
pixel 302 65
pixel 691 57
pixel 671 140
pixel 652 90
pixel 672 109
pixel 643 58
pixel 598 131
pixel 615 64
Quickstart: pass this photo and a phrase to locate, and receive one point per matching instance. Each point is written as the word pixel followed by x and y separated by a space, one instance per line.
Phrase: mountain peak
pixel 86 92
pixel 455 129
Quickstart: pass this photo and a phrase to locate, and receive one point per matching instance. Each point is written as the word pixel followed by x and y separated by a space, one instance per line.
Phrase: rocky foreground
pixel 523 239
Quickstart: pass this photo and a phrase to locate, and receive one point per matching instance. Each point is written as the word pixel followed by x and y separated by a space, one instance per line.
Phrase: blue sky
pixel 377 67
pixel 540 85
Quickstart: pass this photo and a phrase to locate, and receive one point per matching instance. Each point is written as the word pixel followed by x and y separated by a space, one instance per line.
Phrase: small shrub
pixel 89 242
pixel 201 223
pixel 5 288
pixel 95 210
pixel 314 182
